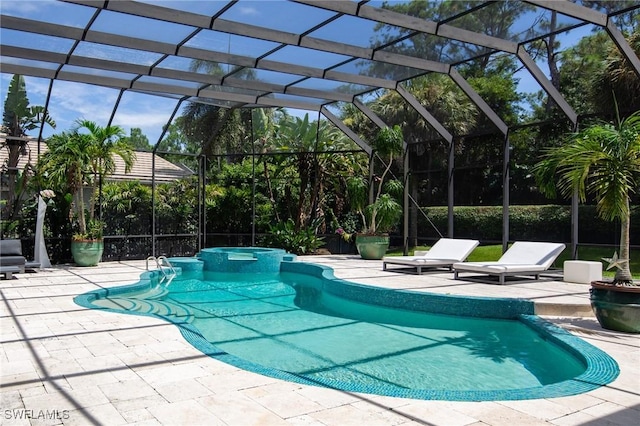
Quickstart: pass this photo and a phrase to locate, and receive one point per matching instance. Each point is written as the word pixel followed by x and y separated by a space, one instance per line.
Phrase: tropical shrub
pixel 126 208
pixel 383 213
pixel 285 236
pixel 535 223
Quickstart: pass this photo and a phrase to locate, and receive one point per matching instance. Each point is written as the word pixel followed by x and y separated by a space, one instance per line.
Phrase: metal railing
pixel 164 266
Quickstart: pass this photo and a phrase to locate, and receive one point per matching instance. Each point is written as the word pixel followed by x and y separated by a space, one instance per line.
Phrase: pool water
pixel 284 325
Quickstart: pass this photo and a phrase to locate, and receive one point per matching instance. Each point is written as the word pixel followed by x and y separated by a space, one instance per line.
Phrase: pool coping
pixel 600 370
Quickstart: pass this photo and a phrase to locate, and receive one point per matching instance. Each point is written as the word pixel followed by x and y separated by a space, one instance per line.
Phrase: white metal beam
pixel 537 73
pixel 477 99
pixel 347 131
pixel 624 46
pixel 572 9
pixel 446 135
pixel 369 113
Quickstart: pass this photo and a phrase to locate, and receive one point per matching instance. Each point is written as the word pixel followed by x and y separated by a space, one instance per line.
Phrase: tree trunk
pixel 623 273
pixel 303 170
pixel 15 148
pixel 272 198
pixel 554 73
pixel 82 223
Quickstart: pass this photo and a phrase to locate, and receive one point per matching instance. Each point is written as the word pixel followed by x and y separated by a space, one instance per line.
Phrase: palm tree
pixel 602 160
pixel 64 166
pixel 105 142
pixel 76 158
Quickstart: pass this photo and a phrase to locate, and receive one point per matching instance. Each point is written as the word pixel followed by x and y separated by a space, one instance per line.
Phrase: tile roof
pixel 165 171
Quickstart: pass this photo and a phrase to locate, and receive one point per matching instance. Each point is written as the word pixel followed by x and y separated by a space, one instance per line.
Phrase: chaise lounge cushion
pixel 522 257
pixel 11 253
pixel 444 253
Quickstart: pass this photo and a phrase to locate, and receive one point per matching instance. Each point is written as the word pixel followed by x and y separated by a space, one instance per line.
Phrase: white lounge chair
pixel 444 253
pixel 523 258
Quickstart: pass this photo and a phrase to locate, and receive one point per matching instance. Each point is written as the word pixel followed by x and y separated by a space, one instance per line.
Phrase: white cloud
pixel 24 7
pixel 246 10
pixel 72 101
pixel 147 112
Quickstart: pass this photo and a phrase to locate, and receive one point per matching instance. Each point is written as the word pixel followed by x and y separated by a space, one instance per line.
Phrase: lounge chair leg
pixel 455 275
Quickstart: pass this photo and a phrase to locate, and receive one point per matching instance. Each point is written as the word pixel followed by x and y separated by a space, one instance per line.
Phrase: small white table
pixel 582 271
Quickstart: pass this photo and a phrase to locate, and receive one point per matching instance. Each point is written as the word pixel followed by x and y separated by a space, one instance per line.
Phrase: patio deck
pixel 63 364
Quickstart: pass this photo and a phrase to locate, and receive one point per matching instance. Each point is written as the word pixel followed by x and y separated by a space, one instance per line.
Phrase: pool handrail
pixel 163 265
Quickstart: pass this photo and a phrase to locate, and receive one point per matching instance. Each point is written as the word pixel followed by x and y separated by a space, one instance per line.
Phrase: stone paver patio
pixel 63 364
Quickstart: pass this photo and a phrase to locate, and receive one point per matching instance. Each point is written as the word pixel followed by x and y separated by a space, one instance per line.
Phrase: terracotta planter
pixel 372 247
pixel 616 307
pixel 87 252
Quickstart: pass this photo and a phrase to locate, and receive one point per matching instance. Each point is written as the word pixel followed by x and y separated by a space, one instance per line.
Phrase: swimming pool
pixel 304 325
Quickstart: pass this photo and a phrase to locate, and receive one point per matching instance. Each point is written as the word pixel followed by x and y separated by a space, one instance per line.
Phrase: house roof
pixel 143 168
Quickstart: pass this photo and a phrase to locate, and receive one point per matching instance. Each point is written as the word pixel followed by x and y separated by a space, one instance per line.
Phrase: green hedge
pixel 534 223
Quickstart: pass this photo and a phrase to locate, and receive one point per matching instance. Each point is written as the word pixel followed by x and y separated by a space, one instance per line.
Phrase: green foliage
pixel 387 212
pixel 382 214
pixel 212 130
pixel 284 235
pixel 83 155
pixel 177 143
pixel 500 92
pixel 94 231
pixel 580 64
pixel 230 200
pixel 616 81
pixel 138 140
pixel 487 253
pixel 16 106
pixel 533 223
pixel 126 206
pixel 603 160
pixel 18 117
pixel 176 206
pixel 24 223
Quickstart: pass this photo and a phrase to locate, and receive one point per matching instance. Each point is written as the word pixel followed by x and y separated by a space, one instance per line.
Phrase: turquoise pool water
pixel 291 325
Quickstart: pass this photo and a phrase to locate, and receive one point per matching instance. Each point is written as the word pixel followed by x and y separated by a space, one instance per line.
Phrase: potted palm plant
pixel 375 200
pixel 603 160
pixel 82 156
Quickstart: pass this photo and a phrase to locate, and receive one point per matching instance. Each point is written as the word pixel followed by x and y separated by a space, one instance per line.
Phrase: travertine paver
pixel 235 408
pixel 185 413
pixel 63 364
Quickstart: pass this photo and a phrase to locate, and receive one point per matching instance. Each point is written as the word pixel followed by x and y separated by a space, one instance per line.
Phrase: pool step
pixel 151 292
pixel 169 310
pixel 156 292
pixel 115 303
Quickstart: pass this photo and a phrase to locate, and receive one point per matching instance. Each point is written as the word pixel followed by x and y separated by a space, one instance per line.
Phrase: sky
pixel 72 101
